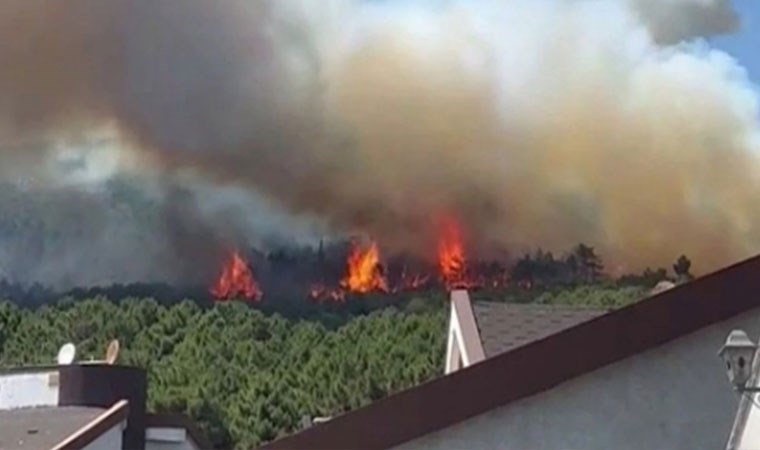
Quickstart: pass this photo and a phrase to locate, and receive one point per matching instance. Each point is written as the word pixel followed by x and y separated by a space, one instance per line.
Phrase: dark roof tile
pixel 506 326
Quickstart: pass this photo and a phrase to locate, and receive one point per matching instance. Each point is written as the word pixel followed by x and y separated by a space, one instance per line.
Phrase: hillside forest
pixel 248 373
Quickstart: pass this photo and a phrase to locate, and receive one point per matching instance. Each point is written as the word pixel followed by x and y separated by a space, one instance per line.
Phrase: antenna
pixel 67 354
pixel 112 352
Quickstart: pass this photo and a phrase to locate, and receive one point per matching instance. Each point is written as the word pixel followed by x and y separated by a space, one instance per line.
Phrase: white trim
pixel 454 349
pixel 456 328
pixel 462 333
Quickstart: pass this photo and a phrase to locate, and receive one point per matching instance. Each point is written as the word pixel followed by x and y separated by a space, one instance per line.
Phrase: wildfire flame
pixel 236 280
pixel 364 272
pixel 451 260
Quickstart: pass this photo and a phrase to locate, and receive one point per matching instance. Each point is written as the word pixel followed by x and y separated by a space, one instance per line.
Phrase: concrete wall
pixel 673 397
pixel 110 440
pixel 750 438
pixel 25 389
pixel 165 438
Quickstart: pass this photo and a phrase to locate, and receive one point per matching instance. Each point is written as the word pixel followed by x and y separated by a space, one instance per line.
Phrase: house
pixel 643 376
pixel 86 406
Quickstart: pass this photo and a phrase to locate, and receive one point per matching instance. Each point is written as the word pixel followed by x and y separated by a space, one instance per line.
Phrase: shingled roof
pixel 42 427
pixel 570 353
pixel 506 326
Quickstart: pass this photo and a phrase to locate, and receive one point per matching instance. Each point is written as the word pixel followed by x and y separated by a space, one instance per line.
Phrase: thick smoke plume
pixel 535 123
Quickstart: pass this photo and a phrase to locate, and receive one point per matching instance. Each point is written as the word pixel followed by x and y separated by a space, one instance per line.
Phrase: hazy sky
pixel 744 45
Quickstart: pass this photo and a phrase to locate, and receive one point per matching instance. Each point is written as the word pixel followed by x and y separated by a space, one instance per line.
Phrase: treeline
pixel 287 274
pixel 583 265
pixel 244 376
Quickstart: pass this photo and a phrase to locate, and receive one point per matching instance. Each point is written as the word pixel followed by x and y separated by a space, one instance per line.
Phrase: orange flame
pixel 451 260
pixel 364 272
pixel 236 280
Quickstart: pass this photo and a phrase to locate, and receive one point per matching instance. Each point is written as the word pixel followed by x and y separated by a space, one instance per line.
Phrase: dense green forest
pixel 248 373
pixel 246 377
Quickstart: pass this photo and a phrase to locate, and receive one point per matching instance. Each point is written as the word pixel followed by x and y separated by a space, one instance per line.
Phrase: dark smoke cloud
pixel 169 76
pixel 671 21
pixel 535 123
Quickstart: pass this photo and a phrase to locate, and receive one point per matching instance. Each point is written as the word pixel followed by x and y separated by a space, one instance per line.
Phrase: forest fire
pixel 451 260
pixel 236 280
pixel 364 272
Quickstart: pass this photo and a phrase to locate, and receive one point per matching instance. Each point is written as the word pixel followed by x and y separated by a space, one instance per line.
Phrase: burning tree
pixel 236 280
pixel 452 264
pixel 364 274
pixel 364 271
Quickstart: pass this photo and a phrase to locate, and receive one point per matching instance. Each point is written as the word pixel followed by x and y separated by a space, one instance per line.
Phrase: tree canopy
pixel 245 376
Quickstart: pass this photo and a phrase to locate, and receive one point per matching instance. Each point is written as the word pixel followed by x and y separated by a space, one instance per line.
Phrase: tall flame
pixel 452 264
pixel 451 259
pixel 236 280
pixel 364 272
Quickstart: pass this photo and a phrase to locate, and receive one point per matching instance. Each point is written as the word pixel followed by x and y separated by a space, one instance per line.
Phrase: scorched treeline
pixel 365 273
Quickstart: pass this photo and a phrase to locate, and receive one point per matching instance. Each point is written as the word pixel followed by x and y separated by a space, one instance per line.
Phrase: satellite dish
pixel 67 353
pixel 112 352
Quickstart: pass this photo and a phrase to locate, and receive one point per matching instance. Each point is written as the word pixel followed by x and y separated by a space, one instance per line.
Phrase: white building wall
pixel 25 389
pixel 750 439
pixel 674 397
pixel 110 440
pixel 165 438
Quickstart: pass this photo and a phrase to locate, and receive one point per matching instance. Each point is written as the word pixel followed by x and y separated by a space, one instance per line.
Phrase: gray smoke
pixel 672 21
pixel 534 123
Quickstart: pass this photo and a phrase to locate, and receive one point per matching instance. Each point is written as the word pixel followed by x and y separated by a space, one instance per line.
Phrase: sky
pixel 744 45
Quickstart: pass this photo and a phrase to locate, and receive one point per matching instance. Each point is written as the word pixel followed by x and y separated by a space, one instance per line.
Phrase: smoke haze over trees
pixel 147 139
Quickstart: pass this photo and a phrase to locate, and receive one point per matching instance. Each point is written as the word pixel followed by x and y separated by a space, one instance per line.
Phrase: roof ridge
pixel 542 305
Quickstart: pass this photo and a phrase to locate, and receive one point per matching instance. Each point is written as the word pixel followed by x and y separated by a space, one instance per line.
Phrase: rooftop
pixel 506 326
pixel 42 427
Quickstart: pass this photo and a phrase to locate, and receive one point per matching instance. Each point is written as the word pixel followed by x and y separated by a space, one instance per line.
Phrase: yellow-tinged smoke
pixel 537 123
